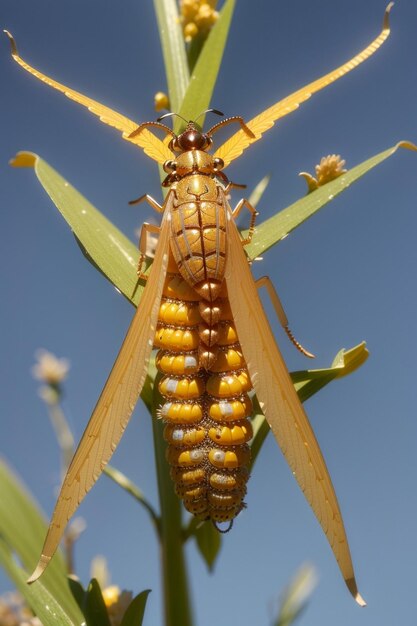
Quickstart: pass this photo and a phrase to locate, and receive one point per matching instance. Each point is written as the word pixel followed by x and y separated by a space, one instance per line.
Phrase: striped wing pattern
pixel 234 146
pixel 151 144
pixel 281 406
pixel 114 407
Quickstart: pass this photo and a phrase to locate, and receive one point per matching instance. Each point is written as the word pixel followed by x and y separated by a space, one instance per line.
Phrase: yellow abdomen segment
pixel 205 386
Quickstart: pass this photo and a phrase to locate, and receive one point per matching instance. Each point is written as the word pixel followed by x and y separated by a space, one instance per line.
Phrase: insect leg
pixel 144 246
pixel 254 213
pixel 265 281
pixel 153 203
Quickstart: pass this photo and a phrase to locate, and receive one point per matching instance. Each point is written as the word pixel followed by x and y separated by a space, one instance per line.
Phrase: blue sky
pixel 346 275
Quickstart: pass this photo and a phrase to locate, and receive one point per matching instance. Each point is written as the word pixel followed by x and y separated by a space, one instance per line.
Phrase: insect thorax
pixel 199 233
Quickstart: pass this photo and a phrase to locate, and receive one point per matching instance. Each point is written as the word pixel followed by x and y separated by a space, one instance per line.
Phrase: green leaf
pixel 296 596
pixel 203 79
pixel 208 542
pixel 78 591
pixel 23 529
pixel 269 232
pixel 37 596
pixel 127 485
pixel 173 49
pixel 147 391
pixel 116 256
pixel 307 383
pixel 256 195
pixel 95 608
pixel 109 250
pixel 136 610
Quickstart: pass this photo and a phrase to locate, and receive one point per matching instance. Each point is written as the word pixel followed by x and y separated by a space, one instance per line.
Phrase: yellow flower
pixel 116 602
pixel 190 31
pixel 329 168
pixel 205 17
pixel 161 101
pixel 49 369
pixel 197 17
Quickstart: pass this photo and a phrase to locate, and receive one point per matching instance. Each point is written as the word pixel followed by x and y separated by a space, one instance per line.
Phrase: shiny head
pixel 192 138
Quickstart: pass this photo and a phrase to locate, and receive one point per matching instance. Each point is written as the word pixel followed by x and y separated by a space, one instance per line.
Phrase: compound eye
pixel 169 166
pixel 173 145
pixel 218 163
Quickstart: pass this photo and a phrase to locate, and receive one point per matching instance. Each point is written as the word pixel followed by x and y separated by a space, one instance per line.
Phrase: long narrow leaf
pixel 204 76
pixel 307 383
pixel 116 256
pixel 125 483
pixel 37 596
pixel 23 530
pixel 209 542
pixel 95 608
pixel 110 251
pixel 296 596
pixel 136 610
pixel 173 49
pixel 271 231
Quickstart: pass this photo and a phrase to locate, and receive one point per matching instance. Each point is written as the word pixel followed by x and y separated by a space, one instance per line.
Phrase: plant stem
pixel 176 593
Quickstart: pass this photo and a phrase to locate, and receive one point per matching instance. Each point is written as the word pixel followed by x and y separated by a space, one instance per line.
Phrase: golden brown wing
pixel 152 145
pixel 281 406
pixel 115 405
pixel 234 146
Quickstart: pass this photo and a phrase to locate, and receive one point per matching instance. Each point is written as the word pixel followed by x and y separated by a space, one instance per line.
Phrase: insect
pixel 201 309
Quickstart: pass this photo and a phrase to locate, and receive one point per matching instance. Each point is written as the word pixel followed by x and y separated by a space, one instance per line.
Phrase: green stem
pixel 177 603
pixel 63 434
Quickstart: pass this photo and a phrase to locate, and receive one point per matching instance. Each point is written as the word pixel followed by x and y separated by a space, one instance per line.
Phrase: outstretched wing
pixel 115 405
pixel 151 144
pixel 280 404
pixel 233 147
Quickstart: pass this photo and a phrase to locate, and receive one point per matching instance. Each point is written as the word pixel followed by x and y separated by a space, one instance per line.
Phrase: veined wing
pixel 115 405
pixel 281 406
pixel 151 144
pixel 233 147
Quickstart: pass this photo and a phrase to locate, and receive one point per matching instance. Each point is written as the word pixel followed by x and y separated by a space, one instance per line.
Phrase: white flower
pixel 49 369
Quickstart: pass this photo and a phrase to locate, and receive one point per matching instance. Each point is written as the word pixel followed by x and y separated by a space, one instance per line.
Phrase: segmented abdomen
pixel 205 387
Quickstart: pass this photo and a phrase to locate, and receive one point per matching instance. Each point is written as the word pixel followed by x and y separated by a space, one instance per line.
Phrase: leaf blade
pixel 307 383
pixel 107 248
pixel 136 610
pixel 208 542
pixel 276 228
pixel 198 95
pixel 173 50
pixel 95 608
pixel 41 601
pixel 23 528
